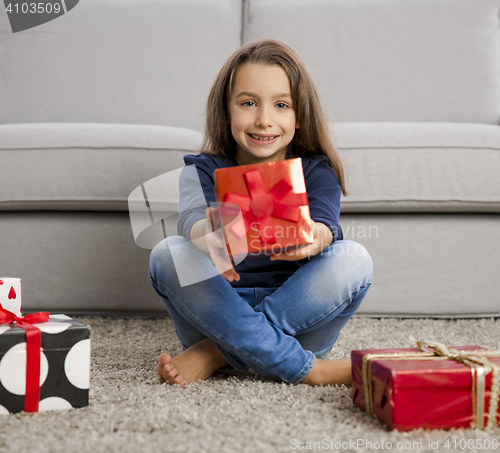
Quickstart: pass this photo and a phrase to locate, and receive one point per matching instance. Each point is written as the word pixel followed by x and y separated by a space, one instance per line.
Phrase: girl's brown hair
pixel 312 137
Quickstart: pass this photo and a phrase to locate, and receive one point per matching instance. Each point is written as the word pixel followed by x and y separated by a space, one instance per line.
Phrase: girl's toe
pixel 165 358
pixel 179 379
pixel 168 367
pixel 173 373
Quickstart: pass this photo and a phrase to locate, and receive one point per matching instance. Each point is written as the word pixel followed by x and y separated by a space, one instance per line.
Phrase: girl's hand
pixel 323 237
pixel 218 251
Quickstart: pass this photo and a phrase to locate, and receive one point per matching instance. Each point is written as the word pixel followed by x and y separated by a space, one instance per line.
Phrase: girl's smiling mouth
pixel 262 139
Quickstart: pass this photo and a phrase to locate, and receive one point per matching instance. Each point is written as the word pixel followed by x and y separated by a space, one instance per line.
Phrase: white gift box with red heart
pixel 10 294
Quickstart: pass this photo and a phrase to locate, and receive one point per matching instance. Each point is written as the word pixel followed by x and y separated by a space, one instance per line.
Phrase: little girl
pixel 278 315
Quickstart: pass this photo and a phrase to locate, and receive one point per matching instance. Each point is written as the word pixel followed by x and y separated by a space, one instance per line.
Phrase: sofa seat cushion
pixel 391 167
pixel 85 166
pixel 420 167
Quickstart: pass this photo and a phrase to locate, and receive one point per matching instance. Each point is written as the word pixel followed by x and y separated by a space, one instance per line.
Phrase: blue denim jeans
pixel 273 331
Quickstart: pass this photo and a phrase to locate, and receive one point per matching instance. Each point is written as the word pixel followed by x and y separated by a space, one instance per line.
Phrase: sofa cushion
pixel 64 166
pixel 420 167
pixel 391 167
pixel 438 265
pixel 77 262
pixel 393 60
pixel 113 61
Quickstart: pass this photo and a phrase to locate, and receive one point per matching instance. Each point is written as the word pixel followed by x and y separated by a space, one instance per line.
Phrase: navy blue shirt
pixel 323 192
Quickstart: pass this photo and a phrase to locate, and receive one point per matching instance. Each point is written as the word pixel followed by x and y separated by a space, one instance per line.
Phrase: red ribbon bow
pixel 33 346
pixel 261 206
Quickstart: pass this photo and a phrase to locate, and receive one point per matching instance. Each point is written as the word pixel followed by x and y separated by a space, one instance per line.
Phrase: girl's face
pixel 261 113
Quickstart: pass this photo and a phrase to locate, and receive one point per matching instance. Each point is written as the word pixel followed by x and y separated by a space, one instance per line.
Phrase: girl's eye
pixel 246 103
pixel 281 105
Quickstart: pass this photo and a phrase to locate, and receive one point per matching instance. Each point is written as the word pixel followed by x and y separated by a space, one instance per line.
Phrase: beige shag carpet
pixel 132 410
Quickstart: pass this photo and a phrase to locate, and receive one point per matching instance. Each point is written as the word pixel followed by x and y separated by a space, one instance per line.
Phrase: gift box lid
pixel 274 171
pixel 60 332
pixel 415 371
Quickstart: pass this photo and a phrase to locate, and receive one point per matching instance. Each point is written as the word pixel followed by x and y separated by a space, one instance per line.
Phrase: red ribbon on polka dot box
pixel 44 362
pixel 10 294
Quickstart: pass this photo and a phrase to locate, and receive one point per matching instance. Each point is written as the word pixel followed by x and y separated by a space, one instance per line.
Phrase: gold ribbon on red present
pixel 477 360
pixel 33 346
pixel 262 206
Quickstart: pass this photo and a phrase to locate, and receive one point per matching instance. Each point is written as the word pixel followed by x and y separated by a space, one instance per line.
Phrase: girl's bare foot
pixel 325 372
pixel 194 364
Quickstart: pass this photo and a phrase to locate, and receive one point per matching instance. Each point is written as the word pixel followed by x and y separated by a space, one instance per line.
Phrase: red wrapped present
pixel 265 207
pixel 434 387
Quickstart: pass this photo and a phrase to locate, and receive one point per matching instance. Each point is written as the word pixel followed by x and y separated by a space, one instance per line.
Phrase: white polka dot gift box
pixel 10 294
pixel 44 362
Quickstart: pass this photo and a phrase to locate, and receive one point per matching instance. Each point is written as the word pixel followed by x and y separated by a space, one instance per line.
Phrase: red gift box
pixel 265 207
pixel 439 388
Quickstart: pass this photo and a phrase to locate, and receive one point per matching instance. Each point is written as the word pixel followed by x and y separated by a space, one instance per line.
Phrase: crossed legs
pixel 280 336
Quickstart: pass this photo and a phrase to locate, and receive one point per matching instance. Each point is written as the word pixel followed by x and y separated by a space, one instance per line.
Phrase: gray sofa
pixel 111 95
